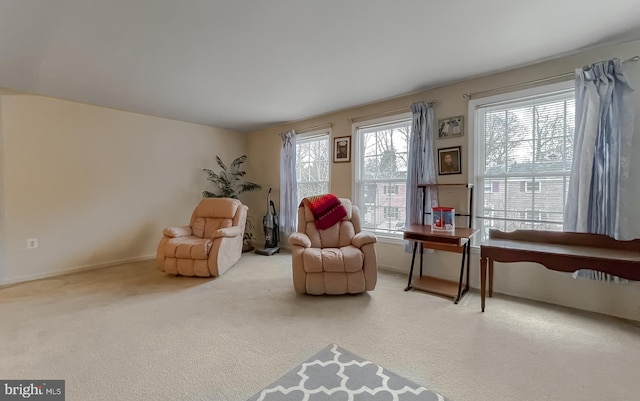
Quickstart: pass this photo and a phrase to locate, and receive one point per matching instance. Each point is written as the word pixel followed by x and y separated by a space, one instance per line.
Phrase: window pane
pixel 312 165
pixel 382 173
pixel 525 151
pixel 519 124
pixel 496 158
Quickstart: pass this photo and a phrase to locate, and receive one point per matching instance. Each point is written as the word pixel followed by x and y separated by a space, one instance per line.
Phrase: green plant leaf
pixel 238 161
pixel 224 180
pixel 220 163
pixel 229 180
pixel 212 176
pixel 248 187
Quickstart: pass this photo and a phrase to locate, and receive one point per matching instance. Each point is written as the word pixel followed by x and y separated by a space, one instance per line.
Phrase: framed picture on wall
pixel 450 127
pixel 342 149
pixel 449 161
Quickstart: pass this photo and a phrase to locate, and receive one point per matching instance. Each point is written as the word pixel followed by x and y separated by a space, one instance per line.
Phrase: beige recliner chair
pixel 210 244
pixel 338 260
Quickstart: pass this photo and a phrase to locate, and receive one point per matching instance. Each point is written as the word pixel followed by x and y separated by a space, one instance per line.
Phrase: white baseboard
pixel 393 269
pixel 76 269
pixel 282 245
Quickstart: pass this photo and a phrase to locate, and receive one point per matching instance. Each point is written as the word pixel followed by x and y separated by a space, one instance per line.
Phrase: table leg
pixel 491 277
pixel 413 261
pixel 483 279
pixel 421 256
pixel 468 264
pixel 464 254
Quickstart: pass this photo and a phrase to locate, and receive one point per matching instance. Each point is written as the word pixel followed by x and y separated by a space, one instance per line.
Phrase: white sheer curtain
pixel 602 153
pixel 421 167
pixel 288 186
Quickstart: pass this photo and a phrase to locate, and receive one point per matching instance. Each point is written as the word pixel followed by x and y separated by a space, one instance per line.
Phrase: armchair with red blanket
pixel 338 258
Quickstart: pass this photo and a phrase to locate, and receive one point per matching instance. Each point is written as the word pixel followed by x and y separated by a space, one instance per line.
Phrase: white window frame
pixel 504 97
pixel 393 238
pixel 389 209
pixel 310 135
pixel 391 192
pixel 529 187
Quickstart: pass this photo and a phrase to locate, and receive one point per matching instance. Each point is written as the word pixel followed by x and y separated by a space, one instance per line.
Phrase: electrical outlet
pixel 32 243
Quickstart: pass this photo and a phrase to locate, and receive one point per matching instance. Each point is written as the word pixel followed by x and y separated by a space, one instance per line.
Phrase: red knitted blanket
pixel 327 210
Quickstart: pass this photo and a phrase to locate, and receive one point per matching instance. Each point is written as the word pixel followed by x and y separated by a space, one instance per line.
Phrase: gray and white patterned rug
pixel 337 375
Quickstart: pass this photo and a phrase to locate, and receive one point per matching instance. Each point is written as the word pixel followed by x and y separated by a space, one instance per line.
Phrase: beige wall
pixel 531 281
pixel 95 186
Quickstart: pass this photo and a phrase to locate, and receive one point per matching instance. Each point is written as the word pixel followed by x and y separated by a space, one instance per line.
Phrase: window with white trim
pixel 391 189
pixel 312 163
pixel 391 212
pixel 381 151
pixel 523 152
pixel 491 186
pixel 531 186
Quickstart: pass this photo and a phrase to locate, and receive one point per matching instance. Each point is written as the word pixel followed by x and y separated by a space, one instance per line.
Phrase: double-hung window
pixel 312 163
pixel 523 153
pixel 381 151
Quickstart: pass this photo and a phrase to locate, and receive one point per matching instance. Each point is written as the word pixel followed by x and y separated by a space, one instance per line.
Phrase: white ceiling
pixel 245 65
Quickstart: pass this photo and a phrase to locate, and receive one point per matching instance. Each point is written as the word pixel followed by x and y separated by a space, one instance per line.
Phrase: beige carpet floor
pixel 130 332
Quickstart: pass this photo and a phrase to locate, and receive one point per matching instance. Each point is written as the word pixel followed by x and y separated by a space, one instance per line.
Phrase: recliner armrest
pixel 228 232
pixel 299 239
pixel 175 232
pixel 363 238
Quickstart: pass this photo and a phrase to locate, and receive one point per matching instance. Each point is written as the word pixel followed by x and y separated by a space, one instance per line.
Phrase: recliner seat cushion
pixel 188 248
pixel 347 259
pixel 335 283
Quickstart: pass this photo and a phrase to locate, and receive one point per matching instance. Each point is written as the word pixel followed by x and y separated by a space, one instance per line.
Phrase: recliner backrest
pixel 336 236
pixel 212 214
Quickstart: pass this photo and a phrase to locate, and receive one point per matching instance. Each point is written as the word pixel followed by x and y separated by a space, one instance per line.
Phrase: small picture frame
pixel 450 127
pixel 449 161
pixel 342 149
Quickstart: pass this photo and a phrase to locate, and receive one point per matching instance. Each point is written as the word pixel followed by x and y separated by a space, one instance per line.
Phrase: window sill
pixel 386 239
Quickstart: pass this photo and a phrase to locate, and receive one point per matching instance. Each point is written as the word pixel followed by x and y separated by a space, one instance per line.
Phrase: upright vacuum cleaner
pixel 271 229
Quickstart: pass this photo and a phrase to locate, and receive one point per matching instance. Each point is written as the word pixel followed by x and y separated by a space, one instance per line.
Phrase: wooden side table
pixel 458 241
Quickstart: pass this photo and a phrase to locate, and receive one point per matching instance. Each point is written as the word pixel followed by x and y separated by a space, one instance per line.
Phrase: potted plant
pixel 230 184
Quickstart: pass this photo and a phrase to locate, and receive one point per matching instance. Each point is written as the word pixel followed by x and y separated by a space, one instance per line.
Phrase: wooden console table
pixel 457 241
pixel 560 251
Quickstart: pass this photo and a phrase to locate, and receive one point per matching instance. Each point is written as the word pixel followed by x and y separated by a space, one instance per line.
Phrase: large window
pixel 523 151
pixel 312 163
pixel 381 174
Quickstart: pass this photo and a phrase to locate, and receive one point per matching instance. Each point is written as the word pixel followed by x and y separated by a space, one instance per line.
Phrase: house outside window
pixel 530 186
pixel 391 212
pixel 491 186
pixel 523 152
pixel 380 157
pixel 312 163
pixel 391 189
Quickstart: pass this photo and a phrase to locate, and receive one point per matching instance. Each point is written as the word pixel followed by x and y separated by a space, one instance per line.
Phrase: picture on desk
pixel 444 219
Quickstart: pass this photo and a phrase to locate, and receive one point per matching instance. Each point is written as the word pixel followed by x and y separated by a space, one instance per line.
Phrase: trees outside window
pixel 523 151
pixel 312 164
pixel 381 174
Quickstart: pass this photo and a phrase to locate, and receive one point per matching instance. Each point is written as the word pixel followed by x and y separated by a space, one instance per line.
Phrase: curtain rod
pixel 387 113
pixel 536 81
pixel 309 129
pixel 314 128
